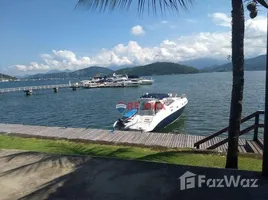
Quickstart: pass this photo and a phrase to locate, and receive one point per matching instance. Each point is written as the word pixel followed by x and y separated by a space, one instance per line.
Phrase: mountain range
pixel 86 72
pixel 158 68
pixel 252 64
pixel 201 63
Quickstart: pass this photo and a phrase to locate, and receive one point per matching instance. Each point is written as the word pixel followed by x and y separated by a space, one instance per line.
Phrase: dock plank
pixel 169 140
pixel 112 136
pixel 121 136
pixel 178 140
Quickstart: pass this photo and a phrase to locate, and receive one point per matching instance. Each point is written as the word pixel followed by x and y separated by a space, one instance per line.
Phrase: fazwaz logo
pixel 121 107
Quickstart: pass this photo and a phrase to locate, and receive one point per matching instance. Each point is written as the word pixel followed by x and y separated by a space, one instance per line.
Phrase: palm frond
pixel 264 3
pixel 155 5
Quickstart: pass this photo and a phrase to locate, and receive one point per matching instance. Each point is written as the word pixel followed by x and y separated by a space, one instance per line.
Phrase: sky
pixel 39 36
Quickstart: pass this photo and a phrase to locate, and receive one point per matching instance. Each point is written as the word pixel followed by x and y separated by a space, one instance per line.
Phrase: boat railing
pixel 175 95
pixel 183 95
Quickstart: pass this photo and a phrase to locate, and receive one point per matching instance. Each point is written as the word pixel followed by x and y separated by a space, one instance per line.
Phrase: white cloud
pixel 221 19
pixel 137 30
pixel 204 44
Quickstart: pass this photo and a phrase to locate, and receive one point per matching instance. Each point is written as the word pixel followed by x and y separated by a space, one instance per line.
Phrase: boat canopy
pixel 155 95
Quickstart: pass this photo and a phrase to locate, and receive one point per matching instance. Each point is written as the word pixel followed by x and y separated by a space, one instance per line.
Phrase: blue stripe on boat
pixel 169 119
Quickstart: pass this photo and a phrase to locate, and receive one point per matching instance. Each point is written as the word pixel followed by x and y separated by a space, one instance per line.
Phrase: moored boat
pixel 155 112
pixel 141 80
pixel 147 81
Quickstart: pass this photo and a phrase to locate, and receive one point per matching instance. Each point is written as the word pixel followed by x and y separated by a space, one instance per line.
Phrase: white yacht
pixel 147 81
pixel 142 81
pixel 156 111
pixel 119 77
pixel 124 81
pixel 88 84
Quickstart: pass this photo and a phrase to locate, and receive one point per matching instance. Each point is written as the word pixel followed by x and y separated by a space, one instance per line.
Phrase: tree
pixel 238 29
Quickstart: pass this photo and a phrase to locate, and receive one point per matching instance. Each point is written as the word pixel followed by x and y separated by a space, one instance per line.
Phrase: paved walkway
pixel 31 175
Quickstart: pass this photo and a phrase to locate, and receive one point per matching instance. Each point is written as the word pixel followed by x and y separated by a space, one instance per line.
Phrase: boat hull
pixel 131 84
pixel 169 120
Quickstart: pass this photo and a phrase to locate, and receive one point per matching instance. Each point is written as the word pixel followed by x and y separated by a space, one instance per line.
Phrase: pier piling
pixel 56 89
pixel 28 92
pixel 74 88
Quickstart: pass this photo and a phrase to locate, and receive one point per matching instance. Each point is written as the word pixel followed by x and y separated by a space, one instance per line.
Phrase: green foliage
pixel 174 156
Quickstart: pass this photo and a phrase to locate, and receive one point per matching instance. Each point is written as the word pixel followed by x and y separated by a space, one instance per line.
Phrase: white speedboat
pixel 156 111
pixel 147 81
pixel 142 81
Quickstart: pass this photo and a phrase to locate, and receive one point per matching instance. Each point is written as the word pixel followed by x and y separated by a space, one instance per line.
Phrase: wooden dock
pixel 30 89
pixel 166 140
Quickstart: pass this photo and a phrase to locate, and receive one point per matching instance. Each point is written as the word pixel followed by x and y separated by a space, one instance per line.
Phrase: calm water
pixel 208 109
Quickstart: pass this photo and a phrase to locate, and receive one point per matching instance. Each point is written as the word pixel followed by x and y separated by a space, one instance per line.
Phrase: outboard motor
pixel 119 124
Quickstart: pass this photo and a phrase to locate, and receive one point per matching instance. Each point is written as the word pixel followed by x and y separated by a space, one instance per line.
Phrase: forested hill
pixel 158 68
pixel 4 76
pixel 86 72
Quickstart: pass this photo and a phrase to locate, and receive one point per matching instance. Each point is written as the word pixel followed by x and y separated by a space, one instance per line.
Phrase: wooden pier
pixel 29 89
pixel 164 140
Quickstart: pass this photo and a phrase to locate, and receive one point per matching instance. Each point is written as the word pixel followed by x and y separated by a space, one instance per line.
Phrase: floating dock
pixel 132 138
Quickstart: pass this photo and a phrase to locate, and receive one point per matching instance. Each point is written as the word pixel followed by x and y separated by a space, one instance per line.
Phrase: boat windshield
pixel 146 107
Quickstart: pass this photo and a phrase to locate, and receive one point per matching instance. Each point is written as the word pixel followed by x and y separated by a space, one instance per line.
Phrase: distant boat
pixel 140 80
pixel 88 83
pixel 126 83
pixel 156 111
pixel 124 80
pixel 147 81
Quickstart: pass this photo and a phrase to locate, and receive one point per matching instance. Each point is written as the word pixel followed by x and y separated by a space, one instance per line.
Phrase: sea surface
pixel 209 96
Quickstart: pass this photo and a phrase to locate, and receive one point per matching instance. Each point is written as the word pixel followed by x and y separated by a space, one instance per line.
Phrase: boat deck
pixel 166 140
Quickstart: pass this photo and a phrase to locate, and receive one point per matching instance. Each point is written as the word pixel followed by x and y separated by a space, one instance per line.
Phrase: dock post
pixel 256 128
pixel 56 89
pixel 29 92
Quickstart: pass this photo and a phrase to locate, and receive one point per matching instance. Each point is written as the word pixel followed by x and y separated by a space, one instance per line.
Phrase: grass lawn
pixel 174 156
